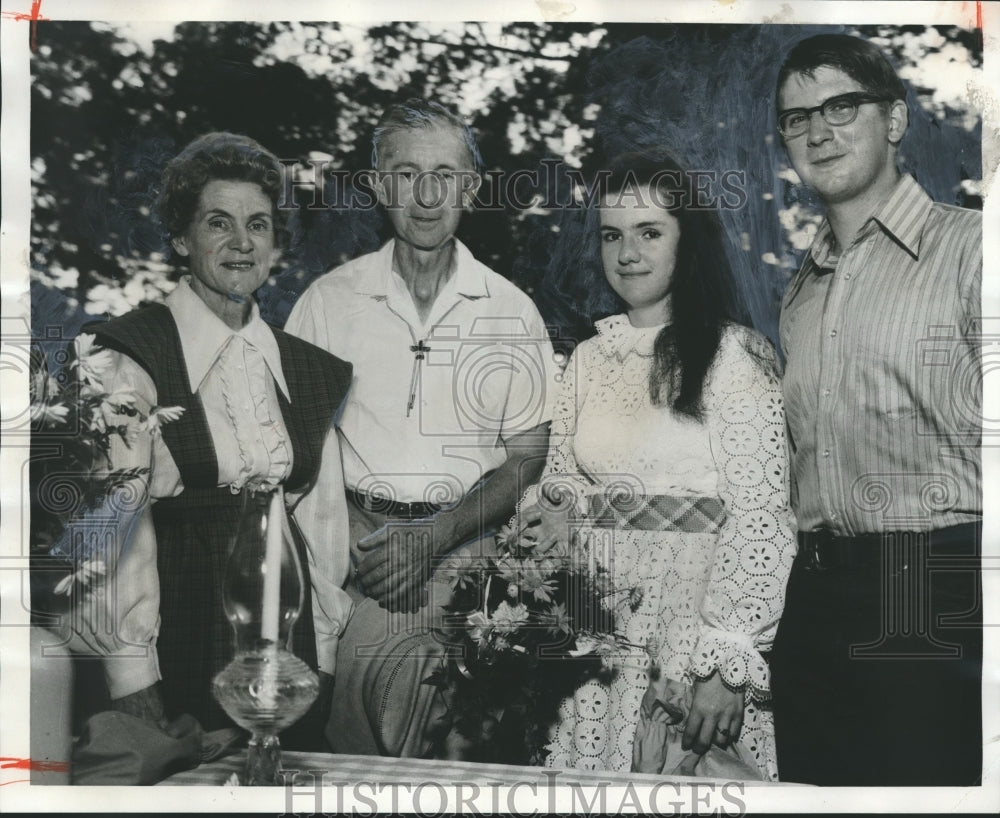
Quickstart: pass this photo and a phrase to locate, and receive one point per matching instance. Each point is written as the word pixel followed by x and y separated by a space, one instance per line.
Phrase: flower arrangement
pixel 73 421
pixel 525 628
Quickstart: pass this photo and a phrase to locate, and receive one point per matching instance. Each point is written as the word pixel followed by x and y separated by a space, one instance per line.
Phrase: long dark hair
pixel 702 295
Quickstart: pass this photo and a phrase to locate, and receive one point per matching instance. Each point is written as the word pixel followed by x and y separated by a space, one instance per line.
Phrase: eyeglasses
pixel 839 110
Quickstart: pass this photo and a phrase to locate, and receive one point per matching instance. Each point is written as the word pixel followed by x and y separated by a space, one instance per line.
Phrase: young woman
pixel 669 436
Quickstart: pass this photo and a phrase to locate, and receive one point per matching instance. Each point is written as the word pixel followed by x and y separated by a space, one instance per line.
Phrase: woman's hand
pixel 716 715
pixel 548 520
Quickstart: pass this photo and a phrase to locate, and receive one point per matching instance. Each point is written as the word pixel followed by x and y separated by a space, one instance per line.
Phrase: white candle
pixel 272 568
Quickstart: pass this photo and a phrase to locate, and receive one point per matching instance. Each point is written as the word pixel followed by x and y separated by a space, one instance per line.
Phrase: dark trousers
pixel 877 669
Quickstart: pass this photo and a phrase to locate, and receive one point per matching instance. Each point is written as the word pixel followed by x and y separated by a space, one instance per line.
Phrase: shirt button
pixel 826 452
pixel 833 333
pixel 847 276
pixel 826 393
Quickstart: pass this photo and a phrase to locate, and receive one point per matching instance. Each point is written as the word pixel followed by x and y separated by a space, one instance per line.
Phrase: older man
pixel 447 419
pixel 878 659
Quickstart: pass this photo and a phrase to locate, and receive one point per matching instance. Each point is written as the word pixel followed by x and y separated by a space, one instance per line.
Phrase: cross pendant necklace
pixel 418 349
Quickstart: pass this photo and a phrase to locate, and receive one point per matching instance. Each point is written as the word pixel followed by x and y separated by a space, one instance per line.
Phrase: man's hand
pixel 397 565
pixel 716 715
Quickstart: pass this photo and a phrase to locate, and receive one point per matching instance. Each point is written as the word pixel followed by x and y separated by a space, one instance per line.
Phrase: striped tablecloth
pixel 347 769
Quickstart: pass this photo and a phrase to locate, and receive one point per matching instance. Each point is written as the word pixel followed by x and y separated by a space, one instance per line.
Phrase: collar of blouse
pixel 617 337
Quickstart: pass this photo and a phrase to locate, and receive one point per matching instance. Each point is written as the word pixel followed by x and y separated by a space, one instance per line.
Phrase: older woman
pixel 258 409
pixel 669 438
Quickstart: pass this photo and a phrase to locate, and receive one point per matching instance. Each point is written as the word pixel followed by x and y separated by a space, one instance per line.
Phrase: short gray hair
pixel 416 113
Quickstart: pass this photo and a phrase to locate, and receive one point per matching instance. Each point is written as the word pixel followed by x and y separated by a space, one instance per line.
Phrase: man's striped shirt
pixel 883 386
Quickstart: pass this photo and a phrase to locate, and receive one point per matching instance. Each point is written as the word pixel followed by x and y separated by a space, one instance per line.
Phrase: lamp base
pixel 263 767
pixel 264 691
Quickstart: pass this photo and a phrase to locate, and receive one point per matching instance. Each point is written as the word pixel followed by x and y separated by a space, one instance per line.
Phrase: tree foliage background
pixel 108 110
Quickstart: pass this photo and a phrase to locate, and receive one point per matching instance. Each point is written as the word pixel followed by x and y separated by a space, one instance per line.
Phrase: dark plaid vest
pixel 317 383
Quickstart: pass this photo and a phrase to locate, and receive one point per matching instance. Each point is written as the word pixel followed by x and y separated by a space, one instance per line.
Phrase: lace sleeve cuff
pixel 737 660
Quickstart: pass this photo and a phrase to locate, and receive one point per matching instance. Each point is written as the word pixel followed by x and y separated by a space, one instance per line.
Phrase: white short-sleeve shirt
pixel 427 429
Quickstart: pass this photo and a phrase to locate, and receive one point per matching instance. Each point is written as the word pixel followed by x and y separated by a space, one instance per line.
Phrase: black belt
pixel 822 549
pixel 375 504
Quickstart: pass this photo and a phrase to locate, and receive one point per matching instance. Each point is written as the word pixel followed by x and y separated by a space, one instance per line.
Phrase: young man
pixel 877 663
pixel 446 422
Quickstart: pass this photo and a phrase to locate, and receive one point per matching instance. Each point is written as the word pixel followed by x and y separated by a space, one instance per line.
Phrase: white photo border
pixel 14 263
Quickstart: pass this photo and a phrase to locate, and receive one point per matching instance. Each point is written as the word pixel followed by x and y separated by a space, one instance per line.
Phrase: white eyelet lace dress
pixel 711 593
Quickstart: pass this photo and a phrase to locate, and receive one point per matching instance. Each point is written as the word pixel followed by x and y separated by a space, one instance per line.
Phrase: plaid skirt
pixel 194 539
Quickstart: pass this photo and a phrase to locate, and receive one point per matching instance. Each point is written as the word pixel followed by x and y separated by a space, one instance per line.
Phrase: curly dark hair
pixel 702 292
pixel 214 156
